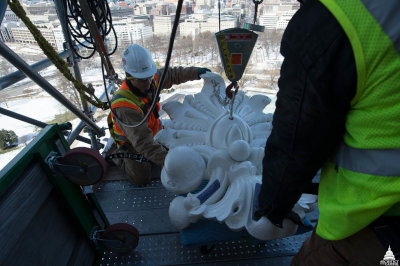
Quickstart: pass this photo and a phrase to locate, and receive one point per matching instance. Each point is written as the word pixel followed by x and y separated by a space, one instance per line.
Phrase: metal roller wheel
pixel 121 238
pixel 92 166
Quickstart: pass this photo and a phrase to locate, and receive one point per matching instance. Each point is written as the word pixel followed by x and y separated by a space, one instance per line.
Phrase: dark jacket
pixel 317 82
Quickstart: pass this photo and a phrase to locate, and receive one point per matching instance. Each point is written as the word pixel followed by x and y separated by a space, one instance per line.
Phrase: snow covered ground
pixel 43 107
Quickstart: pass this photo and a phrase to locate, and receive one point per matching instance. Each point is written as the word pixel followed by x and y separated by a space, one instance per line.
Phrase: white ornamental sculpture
pixel 207 145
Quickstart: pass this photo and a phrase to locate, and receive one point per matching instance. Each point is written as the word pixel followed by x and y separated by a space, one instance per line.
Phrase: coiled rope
pixel 86 93
pixel 79 27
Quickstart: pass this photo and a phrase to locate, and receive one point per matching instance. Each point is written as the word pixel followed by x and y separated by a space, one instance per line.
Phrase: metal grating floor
pixel 146 208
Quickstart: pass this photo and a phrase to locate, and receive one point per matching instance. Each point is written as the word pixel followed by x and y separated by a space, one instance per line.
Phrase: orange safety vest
pixel 124 97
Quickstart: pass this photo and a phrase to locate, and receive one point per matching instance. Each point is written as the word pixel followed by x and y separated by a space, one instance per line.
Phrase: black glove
pixel 201 71
pixel 277 221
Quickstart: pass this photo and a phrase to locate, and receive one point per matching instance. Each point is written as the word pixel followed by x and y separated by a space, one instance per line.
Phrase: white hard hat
pixel 137 62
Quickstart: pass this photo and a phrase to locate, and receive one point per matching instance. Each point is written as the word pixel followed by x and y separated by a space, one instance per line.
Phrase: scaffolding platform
pixel 160 243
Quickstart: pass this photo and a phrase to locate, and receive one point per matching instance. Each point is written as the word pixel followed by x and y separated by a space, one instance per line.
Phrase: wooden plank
pixel 20 204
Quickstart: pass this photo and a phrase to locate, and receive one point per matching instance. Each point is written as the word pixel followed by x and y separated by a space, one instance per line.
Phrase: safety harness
pixel 127 155
pixel 124 97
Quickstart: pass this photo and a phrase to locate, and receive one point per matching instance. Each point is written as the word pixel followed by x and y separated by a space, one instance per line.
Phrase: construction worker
pixel 131 103
pixel 338 108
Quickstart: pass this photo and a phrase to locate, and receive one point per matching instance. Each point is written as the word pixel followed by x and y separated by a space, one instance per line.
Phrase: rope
pixel 79 26
pixel 94 32
pixel 49 51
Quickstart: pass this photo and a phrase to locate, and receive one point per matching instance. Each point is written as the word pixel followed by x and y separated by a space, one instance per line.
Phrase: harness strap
pixel 127 155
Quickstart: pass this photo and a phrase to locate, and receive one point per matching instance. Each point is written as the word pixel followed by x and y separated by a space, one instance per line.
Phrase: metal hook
pixel 233 95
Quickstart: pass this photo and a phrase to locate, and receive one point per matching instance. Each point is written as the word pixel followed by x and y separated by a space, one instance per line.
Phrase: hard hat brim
pixel 148 73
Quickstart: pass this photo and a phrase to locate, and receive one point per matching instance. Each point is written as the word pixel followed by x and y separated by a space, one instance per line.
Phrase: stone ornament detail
pixel 217 161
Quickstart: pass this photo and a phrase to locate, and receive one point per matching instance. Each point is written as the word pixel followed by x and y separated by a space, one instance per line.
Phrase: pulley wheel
pixel 92 164
pixel 123 237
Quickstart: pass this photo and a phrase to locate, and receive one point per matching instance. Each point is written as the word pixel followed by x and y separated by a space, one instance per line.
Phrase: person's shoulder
pixel 313 18
pixel 311 30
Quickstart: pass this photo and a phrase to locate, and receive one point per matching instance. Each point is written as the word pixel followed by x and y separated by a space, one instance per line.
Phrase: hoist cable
pixel 219 15
pixel 256 3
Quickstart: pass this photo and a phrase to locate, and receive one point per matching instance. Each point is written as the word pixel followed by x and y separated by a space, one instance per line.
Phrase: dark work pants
pixel 363 248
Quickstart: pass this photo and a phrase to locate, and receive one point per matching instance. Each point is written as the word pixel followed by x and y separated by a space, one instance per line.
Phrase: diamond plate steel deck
pixel 144 207
pixel 147 209
pixel 167 250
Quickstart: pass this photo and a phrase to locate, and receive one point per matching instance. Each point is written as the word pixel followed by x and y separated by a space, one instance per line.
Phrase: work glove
pixel 202 70
pixel 293 216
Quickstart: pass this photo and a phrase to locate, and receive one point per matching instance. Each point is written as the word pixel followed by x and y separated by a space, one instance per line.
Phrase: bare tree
pixel 187 46
pixel 263 44
pixel 275 40
pixel 68 90
pixel 271 40
pixel 177 51
pixel 116 58
pixel 3 100
pixel 5 67
pixel 271 79
pixel 195 50
pixel 157 45
pixel 219 69
pixel 245 77
pixel 210 46
pixel 24 139
pixel 202 46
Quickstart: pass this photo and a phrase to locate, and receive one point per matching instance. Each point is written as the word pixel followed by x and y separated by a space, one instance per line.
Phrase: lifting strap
pixel 85 92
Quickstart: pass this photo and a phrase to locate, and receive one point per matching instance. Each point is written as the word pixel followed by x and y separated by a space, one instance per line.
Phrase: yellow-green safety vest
pixel 362 182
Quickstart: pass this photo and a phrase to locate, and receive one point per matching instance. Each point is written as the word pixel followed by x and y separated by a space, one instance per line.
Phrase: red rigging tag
pixel 236 59
pixel 238 37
